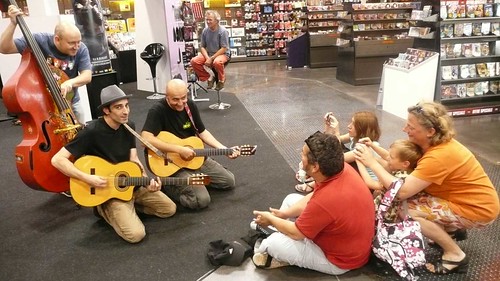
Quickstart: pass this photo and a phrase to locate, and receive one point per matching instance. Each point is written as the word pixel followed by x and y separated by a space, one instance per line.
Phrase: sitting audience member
pixel 94 140
pixel 180 116
pixel 447 191
pixel 214 51
pixel 316 231
pixel 364 124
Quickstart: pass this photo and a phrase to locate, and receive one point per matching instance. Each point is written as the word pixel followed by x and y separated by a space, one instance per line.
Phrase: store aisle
pixel 294 101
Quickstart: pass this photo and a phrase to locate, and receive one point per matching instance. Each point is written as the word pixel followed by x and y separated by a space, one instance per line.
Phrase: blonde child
pixel 400 160
pixel 364 124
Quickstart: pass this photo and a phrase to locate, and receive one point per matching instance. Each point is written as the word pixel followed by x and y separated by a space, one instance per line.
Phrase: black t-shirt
pixel 99 139
pixel 161 117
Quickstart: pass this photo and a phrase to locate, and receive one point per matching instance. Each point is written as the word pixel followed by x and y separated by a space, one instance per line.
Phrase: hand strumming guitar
pixel 95 180
pixel 186 153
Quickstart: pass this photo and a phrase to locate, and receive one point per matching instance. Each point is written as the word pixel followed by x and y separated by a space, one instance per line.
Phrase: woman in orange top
pixel 448 190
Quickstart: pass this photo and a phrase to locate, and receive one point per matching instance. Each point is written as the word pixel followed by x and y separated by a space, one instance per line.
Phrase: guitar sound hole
pixel 122 180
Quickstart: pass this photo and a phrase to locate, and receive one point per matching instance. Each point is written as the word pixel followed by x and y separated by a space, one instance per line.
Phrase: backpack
pixel 400 244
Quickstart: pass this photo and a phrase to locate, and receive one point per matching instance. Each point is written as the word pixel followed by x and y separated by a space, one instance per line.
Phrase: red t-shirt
pixel 340 219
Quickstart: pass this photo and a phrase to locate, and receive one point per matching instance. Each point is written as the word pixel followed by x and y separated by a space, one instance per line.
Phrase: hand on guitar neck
pixel 187 153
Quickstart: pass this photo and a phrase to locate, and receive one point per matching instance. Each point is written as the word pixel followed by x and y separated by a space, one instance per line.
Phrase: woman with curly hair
pixel 448 190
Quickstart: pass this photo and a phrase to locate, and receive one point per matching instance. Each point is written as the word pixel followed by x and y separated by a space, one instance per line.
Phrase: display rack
pixel 470 59
pixel 376 32
pixel 427 18
pixel 323 26
pixel 417 72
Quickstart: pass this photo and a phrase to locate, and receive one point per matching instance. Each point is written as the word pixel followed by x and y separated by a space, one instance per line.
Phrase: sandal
pixel 460 266
pixel 304 187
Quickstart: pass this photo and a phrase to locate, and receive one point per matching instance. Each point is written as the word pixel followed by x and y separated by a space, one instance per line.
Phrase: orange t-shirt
pixel 456 176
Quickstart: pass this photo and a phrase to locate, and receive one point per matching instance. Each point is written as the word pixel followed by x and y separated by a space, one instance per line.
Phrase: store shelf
pixel 322 48
pixel 376 32
pixel 477 93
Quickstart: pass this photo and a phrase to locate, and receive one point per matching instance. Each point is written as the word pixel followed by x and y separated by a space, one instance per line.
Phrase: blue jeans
pixel 78 111
pixel 196 196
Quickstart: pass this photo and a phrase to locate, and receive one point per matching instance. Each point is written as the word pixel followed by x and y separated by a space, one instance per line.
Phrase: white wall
pixel 151 27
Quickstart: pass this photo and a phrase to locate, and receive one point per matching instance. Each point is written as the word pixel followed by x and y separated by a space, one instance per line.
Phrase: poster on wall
pixel 89 19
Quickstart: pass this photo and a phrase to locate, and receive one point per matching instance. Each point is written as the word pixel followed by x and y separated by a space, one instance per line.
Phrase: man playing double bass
pixel 63 49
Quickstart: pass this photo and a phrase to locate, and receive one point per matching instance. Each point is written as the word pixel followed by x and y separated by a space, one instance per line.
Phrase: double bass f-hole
pixel 45 145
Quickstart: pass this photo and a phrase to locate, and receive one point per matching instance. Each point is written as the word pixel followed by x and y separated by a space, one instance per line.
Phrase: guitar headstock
pixel 247 149
pixel 199 179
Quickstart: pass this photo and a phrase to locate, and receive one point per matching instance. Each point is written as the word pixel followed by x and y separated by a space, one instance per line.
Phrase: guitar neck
pixel 213 151
pixel 144 181
pixel 144 141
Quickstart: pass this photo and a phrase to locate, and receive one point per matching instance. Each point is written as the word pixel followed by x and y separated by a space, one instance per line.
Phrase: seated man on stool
pixel 214 51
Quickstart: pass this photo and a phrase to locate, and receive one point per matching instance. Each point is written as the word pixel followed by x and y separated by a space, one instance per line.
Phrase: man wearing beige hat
pixel 108 138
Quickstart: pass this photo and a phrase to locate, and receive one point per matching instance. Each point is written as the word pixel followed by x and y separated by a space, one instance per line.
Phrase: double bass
pixel 47 120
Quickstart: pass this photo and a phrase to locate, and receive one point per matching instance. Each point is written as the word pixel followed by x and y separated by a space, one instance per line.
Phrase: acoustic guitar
pixel 166 166
pixel 122 178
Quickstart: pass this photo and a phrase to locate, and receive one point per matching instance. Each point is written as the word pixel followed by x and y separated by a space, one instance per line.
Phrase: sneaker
pixel 220 86
pixel 67 194
pixel 267 230
pixel 210 84
pixel 264 260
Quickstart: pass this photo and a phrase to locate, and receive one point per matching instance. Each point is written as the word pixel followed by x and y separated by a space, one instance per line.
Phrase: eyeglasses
pixel 311 146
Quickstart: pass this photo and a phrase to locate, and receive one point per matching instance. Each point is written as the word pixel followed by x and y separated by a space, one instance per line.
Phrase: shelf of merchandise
pixel 268 26
pixel 322 24
pixel 480 93
pixel 376 32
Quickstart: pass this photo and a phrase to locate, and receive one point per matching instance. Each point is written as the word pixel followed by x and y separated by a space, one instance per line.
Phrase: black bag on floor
pixel 228 253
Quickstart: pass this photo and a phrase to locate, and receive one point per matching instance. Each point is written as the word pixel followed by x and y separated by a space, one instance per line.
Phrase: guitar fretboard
pixel 143 181
pixel 213 151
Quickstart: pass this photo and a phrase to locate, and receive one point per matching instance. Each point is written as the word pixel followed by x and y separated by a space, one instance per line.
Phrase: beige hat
pixel 111 94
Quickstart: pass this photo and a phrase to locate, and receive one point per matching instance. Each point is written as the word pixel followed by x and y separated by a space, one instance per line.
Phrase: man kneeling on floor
pixel 329 230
